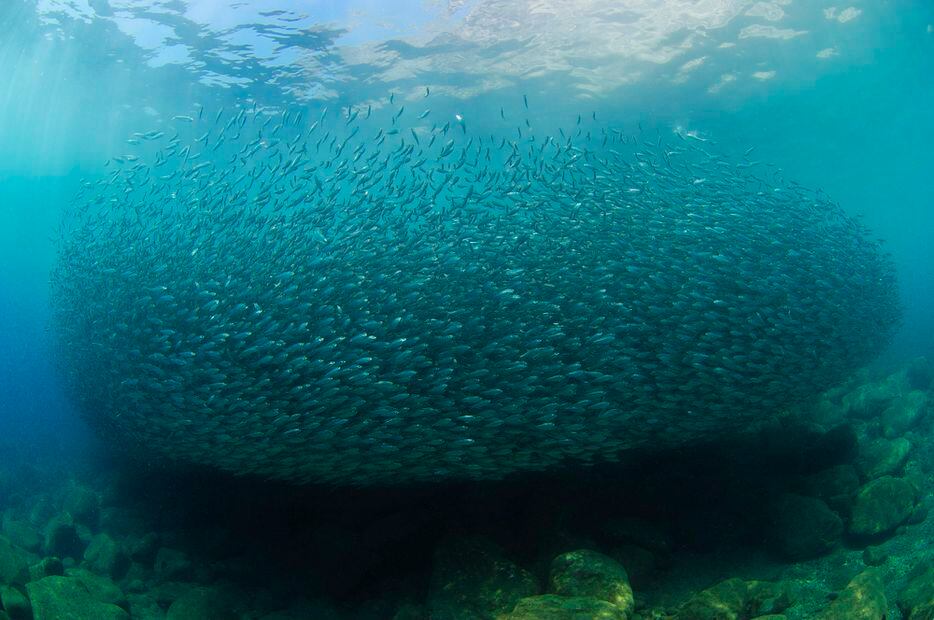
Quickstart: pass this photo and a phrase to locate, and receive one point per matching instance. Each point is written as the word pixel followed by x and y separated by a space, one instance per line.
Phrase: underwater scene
pixel 466 310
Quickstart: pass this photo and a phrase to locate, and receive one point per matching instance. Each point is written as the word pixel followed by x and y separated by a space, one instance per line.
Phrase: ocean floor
pixel 821 513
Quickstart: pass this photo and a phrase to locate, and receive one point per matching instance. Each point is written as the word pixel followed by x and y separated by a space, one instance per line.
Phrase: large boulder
pixel 554 607
pixel 106 556
pixel 172 564
pixel 473 580
pixel 100 587
pixel 916 600
pixel 82 504
pixel 836 486
pixel 881 506
pixel 46 567
pixel 14 563
pixel 586 573
pixel 862 599
pixel 62 538
pixel 734 599
pixel 868 400
pixel 22 534
pixel 883 457
pixel 804 527
pixel 15 603
pixel 57 598
pixel 903 414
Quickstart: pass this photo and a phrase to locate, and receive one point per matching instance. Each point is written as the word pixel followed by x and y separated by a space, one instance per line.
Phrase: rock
pixel 883 457
pixel 918 515
pixel 868 400
pixel 586 573
pixel 734 599
pixel 143 549
pixel 144 607
pixel 766 597
pixel 903 414
pixel 881 506
pixel 106 557
pixel 137 575
pixel 172 564
pixel 640 563
pixel 46 567
pixel 554 607
pixel 804 527
pixel 874 555
pixel 14 566
pixel 724 601
pixel 165 593
pixel 99 587
pixel 833 447
pixel 862 599
pixel 15 603
pixel 472 580
pixel 835 485
pixel 56 598
pixel 916 600
pixel 61 538
pixel 83 505
pixel 22 534
pixel 201 604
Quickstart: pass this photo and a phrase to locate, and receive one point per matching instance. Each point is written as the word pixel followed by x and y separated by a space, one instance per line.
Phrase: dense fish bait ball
pixel 332 302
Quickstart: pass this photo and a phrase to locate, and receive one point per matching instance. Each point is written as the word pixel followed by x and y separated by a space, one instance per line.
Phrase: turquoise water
pixel 836 97
pixel 841 106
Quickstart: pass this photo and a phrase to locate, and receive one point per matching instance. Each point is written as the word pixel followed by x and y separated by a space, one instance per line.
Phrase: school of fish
pixel 333 298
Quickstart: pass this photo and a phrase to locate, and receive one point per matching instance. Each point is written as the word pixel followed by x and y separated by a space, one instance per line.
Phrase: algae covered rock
pixel 55 598
pixel 473 580
pixel 22 534
pixel 554 607
pixel 734 599
pixel 46 567
pixel 883 457
pixel 724 601
pixel 881 506
pixel 100 588
pixel 835 485
pixel 14 565
pixel 62 539
pixel 172 564
pixel 82 504
pixel 862 599
pixel 904 413
pixel 804 527
pixel 916 600
pixel 868 400
pixel 874 555
pixel 15 603
pixel 144 548
pixel 586 573
pixel 106 556
pixel 201 604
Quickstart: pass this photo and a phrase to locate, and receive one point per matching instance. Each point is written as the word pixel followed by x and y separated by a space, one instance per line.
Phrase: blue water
pixel 838 96
pixel 78 81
